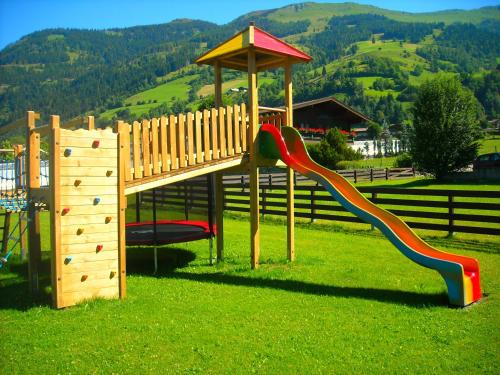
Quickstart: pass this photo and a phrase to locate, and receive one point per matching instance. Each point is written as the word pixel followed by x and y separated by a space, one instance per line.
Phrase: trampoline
pixel 168 232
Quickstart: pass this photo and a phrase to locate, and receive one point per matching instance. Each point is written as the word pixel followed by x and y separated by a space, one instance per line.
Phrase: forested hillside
pixel 369 57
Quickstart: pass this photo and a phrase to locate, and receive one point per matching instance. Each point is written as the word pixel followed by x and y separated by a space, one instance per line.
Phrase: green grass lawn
pixel 490 144
pixel 350 303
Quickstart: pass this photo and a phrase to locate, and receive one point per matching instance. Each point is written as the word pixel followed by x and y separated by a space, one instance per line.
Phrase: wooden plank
pixel 136 137
pixel 89 135
pixel 122 205
pixel 89 142
pixel 78 268
pixel 146 154
pixel 222 132
pixel 88 171
pixel 90 181
pixel 109 247
pixel 85 238
pixel 88 153
pixel 244 127
pixel 96 280
pixel 237 131
pixel 198 132
pixel 72 191
pixel 88 162
pixel 105 209
pixel 173 142
pixel 182 140
pixel 125 133
pixel 206 136
pixel 213 134
pixel 190 138
pixel 55 215
pixel 84 220
pixel 229 124
pixel 90 200
pixel 290 185
pixel 72 298
pixel 154 146
pixel 165 156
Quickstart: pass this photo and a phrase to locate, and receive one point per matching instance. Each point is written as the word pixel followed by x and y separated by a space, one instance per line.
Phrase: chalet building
pixel 326 113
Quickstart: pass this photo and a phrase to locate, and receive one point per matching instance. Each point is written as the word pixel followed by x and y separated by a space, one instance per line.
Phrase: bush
pixel 332 149
pixel 404 160
pixel 445 127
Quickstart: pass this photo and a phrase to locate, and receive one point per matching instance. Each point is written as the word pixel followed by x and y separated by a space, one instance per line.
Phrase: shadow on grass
pixel 140 260
pixel 419 300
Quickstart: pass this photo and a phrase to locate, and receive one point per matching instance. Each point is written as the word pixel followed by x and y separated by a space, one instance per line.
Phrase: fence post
pixel 270 181
pixel 413 171
pixel 451 212
pixel 355 176
pixel 387 173
pixel 263 200
pixel 313 203
pixel 371 174
pixel 242 183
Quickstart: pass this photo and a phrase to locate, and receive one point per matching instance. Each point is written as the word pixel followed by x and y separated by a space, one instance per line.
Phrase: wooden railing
pixel 167 144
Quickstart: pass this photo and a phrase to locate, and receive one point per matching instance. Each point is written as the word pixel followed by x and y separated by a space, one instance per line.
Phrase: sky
pixel 21 17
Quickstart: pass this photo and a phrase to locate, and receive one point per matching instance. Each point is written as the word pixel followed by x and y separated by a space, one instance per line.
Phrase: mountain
pixel 371 57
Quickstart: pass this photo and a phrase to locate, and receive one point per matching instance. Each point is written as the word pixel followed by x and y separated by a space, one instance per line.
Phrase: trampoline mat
pixel 167 232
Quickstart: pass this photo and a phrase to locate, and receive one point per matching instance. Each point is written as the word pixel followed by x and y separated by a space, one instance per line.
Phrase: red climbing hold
pixel 84 277
pixel 109 173
pixel 108 219
pixel 78 182
pixel 98 248
pixel 79 231
pixel 95 144
pixel 65 211
pixel 112 274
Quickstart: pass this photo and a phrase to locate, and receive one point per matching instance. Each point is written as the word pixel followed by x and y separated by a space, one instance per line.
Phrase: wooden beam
pixel 253 103
pixel 33 182
pixel 55 214
pixel 180 175
pixel 290 217
pixel 123 157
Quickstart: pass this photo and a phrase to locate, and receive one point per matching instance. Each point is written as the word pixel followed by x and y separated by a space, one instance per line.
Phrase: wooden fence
pixel 356 175
pixel 439 210
pixel 170 143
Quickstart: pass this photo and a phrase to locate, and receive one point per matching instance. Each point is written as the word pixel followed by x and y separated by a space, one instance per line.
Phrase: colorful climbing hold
pixel 79 231
pixel 109 173
pixel 67 152
pixel 68 259
pixel 97 200
pixel 84 277
pixel 78 182
pixel 108 219
pixel 65 210
pixel 112 274
pixel 95 144
pixel 98 248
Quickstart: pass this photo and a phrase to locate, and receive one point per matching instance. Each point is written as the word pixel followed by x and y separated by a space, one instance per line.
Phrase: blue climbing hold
pixel 67 152
pixel 68 259
pixel 97 200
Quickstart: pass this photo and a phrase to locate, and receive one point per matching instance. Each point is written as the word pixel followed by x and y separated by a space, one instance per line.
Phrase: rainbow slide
pixel 460 273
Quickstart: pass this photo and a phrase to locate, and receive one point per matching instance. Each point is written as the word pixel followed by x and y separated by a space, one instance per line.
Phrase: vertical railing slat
pixel 173 142
pixel 236 119
pixel 229 123
pixel 146 155
pixel 197 125
pixel 222 132
pixel 190 138
pixel 206 135
pixel 165 166
pixel 213 125
pixel 126 142
pixel 136 129
pixel 244 127
pixel 182 139
pixel 154 146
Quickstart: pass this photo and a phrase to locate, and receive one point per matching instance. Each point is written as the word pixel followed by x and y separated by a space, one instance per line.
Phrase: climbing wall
pixel 85 209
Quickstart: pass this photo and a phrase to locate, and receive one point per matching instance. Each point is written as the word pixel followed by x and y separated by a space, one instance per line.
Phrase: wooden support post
pixel 55 214
pixel 33 181
pixel 219 187
pixel 90 123
pixel 123 158
pixel 254 171
pixel 290 188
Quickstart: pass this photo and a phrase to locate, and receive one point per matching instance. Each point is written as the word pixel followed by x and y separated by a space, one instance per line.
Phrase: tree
pixel 445 127
pixel 332 149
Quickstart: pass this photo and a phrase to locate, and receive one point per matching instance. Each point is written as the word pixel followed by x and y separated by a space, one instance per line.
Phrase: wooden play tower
pixel 93 170
pixel 253 50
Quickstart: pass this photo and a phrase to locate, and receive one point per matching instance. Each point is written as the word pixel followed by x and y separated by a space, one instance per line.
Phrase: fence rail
pixel 440 210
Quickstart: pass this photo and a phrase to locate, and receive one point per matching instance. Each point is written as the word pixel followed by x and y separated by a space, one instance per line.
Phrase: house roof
pixel 330 103
pixel 271 52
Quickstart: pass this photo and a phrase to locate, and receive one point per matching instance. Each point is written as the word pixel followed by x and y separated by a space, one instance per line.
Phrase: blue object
pixel 67 152
pixel 68 259
pixel 97 200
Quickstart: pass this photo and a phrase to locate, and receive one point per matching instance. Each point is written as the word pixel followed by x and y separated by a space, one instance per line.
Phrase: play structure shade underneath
pixel 167 232
pixel 460 273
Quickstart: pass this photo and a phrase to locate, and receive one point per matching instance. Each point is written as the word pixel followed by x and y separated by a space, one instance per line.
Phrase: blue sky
pixel 21 17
